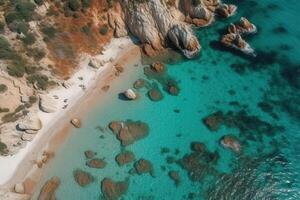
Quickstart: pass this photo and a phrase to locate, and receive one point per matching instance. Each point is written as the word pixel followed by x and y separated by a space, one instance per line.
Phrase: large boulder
pixel 47 104
pixel 113 190
pixel 48 190
pixel 124 158
pixel 130 94
pixel 30 122
pixel 19 188
pixel 143 166
pixel 96 163
pixel 76 122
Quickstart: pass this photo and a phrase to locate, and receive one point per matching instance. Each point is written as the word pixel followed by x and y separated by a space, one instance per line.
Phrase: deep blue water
pixel 261 95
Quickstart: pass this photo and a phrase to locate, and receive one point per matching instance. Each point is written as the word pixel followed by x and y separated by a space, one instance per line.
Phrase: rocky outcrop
pixel 96 63
pixel 153 24
pixel 226 10
pixel 30 122
pixel 48 190
pixel 235 41
pixel 83 178
pixel 129 131
pixel 112 190
pixel 116 21
pixel 244 26
pixel 130 94
pixel 231 142
pixel 47 104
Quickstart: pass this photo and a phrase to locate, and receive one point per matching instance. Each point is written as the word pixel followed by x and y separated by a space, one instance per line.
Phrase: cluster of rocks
pixel 129 131
pixel 234 38
pixel 200 162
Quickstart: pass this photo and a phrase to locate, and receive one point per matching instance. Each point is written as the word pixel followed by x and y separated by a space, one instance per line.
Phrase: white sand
pixel 85 76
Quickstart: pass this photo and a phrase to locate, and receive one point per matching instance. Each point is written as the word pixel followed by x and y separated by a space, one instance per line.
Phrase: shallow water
pixel 266 88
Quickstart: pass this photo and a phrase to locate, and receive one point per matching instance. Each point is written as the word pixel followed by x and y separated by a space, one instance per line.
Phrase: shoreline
pixel 21 167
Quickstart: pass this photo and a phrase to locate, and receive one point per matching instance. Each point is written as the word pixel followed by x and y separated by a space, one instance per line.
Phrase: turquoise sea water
pixel 262 93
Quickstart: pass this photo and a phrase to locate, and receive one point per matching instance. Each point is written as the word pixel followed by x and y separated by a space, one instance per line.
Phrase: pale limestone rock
pixel 117 24
pixel 96 63
pixel 130 94
pixel 5 194
pixel 76 122
pixel 19 188
pixel 67 84
pixel 31 131
pixel 30 122
pixel 47 104
pixel 24 98
pixel 27 137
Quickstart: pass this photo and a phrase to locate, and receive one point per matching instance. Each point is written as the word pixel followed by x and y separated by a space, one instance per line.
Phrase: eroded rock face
pixel 48 190
pixel 143 166
pixel 129 131
pixel 152 23
pixel 112 190
pixel 231 142
pixel 116 21
pixel 47 104
pixel 124 158
pixel 96 163
pixel 83 178
pixel 226 10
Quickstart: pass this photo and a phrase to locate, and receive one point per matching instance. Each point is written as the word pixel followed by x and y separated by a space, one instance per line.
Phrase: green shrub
pixel 12 16
pixel 40 80
pixel 3 88
pixel 39 2
pixel 19 27
pixel 52 12
pixel 103 29
pixel 2 25
pixel 25 9
pixel 2 110
pixel 16 68
pixel 3 148
pixel 74 5
pixel 5 51
pixel 36 54
pixel 49 31
pixel 86 3
pixel 29 39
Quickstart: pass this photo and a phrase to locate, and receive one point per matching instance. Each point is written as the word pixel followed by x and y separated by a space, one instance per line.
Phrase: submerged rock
pixel 82 178
pixel 143 166
pixel 158 67
pixel 198 147
pixel 174 175
pixel 124 158
pixel 113 190
pixel 172 88
pixel 155 94
pixel 89 154
pixel 231 142
pixel 129 131
pixel 130 94
pixel 214 121
pixel 96 163
pixel 140 83
pixel 48 190
pixel 76 122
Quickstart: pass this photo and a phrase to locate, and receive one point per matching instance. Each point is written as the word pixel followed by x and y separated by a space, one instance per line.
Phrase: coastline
pixel 21 167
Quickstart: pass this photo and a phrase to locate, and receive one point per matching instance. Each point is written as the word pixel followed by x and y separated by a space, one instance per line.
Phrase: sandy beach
pixel 84 85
